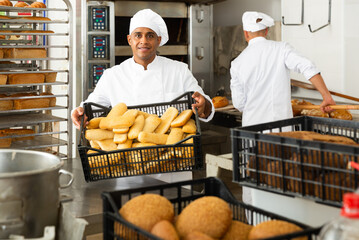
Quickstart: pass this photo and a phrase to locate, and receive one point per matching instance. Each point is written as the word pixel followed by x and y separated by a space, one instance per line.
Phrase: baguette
pixel 98 134
pixel 25 78
pixel 137 127
pixel 182 119
pixel 170 114
pixel 157 138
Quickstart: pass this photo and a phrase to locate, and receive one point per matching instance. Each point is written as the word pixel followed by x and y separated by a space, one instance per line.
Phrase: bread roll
pixel 120 138
pixel 190 127
pixel 107 144
pixel 3 79
pixel 273 228
pixel 25 53
pixel 296 185
pixel 21 4
pixel 151 123
pixel 175 136
pixel 334 183
pixel 25 78
pixel 220 101
pixel 94 123
pixel 182 118
pixel 121 130
pixel 37 5
pixel 165 230
pixel 123 121
pixel 118 110
pixel 146 210
pixel 168 116
pixel 137 127
pixel 98 134
pixel 196 235
pixel 6 3
pixel 209 215
pixel 94 144
pixel 341 114
pixel 127 144
pixel 156 138
pixel 237 231
pixel 139 144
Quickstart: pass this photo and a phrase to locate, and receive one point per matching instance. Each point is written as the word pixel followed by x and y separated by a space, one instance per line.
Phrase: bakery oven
pixel 105 27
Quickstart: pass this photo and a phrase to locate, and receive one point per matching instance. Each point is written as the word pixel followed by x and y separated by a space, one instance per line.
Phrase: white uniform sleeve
pixel 191 84
pixel 99 95
pixel 237 89
pixel 298 63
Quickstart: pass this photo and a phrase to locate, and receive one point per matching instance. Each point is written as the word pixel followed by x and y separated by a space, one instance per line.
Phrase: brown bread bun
pixel 220 101
pixel 237 231
pixel 21 4
pixel 165 230
pixel 273 228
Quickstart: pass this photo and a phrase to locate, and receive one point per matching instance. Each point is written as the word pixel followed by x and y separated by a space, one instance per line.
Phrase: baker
pixel 260 76
pixel 147 78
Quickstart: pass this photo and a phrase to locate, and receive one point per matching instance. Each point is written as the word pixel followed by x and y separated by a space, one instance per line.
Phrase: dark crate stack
pixel 181 194
pixel 314 170
pixel 100 165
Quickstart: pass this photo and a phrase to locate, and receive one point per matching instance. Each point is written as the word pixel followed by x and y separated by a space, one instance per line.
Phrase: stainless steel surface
pixel 29 186
pixel 53 121
pixel 165 9
pixel 86 202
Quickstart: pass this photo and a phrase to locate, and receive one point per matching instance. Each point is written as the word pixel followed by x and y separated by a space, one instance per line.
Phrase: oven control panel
pixel 96 71
pixel 99 47
pixel 99 18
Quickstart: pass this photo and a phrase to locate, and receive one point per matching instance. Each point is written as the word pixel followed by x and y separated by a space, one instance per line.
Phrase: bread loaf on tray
pixel 25 53
pixel 5 104
pixel 30 103
pixel 25 78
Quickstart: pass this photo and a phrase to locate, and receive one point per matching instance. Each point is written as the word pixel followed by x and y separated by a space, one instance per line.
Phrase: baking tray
pixel 178 157
pixel 181 194
pixel 294 167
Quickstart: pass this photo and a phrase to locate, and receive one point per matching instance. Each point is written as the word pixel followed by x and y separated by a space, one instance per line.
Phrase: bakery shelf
pixel 19 120
pixel 19 20
pixel 38 142
pixel 31 110
pixel 28 34
pixel 32 84
pixel 23 9
pixel 33 46
pixel 33 59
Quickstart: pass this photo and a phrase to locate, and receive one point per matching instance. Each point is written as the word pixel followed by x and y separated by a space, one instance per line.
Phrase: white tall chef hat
pixel 250 23
pixel 149 19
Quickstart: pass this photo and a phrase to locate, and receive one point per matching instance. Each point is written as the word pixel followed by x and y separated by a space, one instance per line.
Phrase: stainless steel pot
pixel 29 191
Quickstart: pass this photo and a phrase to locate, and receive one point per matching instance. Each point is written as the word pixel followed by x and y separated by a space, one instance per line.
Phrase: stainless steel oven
pixel 105 25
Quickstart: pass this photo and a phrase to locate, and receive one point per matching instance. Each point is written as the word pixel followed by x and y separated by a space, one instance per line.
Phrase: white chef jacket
pixel 164 80
pixel 260 80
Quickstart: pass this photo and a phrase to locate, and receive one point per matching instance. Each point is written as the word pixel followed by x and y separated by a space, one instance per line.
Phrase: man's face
pixel 144 43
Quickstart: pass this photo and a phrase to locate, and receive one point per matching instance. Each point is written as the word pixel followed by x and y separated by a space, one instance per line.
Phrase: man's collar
pixel 139 66
pixel 256 39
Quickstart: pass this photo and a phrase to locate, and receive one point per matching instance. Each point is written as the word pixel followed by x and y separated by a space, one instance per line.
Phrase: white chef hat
pixel 149 19
pixel 250 23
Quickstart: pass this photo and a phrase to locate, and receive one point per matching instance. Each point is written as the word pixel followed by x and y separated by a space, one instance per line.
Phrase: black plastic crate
pixel 314 170
pixel 181 194
pixel 100 165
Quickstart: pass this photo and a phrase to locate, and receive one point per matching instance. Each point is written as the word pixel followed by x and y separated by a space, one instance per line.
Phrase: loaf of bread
pixel 4 17
pixel 30 102
pixel 3 79
pixel 1 51
pixel 25 53
pixel 52 99
pixel 220 101
pixel 50 76
pixel 6 104
pixel 16 132
pixel 21 4
pixel 4 142
pixel 26 78
pixel 341 114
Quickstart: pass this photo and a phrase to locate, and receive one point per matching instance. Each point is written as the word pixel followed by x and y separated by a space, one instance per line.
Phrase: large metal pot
pixel 29 192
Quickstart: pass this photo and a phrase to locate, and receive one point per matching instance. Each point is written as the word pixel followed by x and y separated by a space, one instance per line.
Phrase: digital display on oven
pixel 99 19
pixel 99 47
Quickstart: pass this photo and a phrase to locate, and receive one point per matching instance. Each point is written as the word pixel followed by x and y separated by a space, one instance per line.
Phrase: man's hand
pixel 76 117
pixel 202 105
pixel 324 106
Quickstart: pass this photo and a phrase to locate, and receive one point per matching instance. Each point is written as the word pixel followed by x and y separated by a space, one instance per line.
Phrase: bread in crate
pixel 25 53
